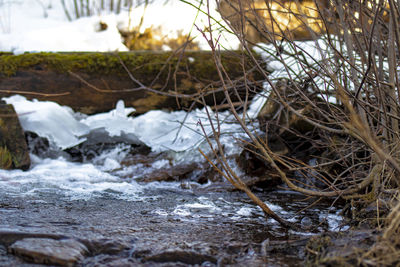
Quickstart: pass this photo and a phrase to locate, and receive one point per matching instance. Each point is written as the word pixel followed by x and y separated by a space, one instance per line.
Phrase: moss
pixel 109 63
pixel 99 63
pixel 5 159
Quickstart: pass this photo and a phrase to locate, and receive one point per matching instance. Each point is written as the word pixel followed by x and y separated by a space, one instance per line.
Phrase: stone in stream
pixel 187 257
pixel 14 152
pixel 99 140
pixel 64 252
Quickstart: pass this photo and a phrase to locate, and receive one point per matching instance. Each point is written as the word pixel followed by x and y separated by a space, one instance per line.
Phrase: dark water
pixel 207 226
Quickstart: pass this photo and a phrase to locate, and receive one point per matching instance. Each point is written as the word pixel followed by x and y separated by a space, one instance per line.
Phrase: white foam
pixel 70 179
pixel 245 211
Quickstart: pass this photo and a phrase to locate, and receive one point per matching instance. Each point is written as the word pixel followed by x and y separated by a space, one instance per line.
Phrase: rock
pixel 339 248
pixel 8 236
pixel 278 120
pixel 104 246
pixel 65 252
pixel 41 147
pixel 259 171
pixel 99 140
pixel 187 257
pixel 37 145
pixel 173 173
pixel 14 153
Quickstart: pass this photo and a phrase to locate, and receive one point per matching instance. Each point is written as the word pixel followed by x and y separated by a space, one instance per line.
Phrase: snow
pixel 30 30
pixel 41 25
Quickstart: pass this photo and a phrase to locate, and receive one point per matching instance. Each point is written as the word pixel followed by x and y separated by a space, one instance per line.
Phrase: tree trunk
pixel 94 82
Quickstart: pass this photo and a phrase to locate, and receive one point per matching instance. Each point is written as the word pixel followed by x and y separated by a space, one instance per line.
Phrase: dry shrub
pixel 346 87
pixel 385 252
pixel 152 38
pixel 263 21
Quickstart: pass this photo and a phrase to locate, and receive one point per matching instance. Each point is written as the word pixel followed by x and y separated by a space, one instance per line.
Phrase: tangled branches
pixel 336 97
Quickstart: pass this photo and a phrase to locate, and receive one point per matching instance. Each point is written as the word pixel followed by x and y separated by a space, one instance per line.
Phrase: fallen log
pixel 93 82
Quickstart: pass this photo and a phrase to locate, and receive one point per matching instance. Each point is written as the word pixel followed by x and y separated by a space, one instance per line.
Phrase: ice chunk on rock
pixel 114 122
pixel 100 140
pixel 50 120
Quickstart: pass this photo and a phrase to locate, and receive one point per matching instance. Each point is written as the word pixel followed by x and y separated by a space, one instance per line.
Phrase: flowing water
pixel 104 199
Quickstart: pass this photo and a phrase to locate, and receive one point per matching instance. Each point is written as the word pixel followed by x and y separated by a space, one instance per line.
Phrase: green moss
pixel 100 63
pixel 5 159
pixel 110 63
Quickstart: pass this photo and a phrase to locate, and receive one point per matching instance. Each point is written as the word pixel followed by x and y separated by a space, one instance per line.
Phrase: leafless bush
pixel 75 9
pixel 343 84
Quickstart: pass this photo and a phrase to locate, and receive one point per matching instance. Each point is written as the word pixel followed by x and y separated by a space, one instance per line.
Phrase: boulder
pixel 14 153
pixel 99 140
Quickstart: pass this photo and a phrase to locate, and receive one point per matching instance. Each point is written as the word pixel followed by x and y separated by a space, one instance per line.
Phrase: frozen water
pixel 245 211
pixel 50 120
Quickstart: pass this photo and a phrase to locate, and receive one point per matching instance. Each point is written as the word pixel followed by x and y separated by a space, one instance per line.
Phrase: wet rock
pixel 104 246
pixel 41 147
pixel 107 261
pixel 37 145
pixel 188 257
pixel 339 249
pixel 14 153
pixel 99 140
pixel 169 174
pixel 306 223
pixel 259 172
pixel 66 252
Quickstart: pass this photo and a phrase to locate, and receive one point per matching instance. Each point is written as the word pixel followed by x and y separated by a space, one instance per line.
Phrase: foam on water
pixel 178 132
pixel 73 180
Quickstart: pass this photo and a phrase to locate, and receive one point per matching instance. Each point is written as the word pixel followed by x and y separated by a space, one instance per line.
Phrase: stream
pixel 116 206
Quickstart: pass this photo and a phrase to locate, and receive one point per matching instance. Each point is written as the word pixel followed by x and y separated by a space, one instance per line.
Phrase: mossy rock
pixel 94 82
pixel 14 153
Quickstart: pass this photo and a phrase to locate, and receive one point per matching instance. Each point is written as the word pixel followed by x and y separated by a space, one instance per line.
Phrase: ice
pixel 334 220
pixel 162 131
pixel 160 164
pixel 114 122
pixel 245 211
pixel 202 203
pixel 50 120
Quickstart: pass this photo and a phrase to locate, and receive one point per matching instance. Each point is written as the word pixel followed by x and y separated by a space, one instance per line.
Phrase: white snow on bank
pixel 29 30
pixel 41 25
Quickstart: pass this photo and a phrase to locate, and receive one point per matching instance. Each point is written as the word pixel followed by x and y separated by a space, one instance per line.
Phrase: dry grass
pixel 153 39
